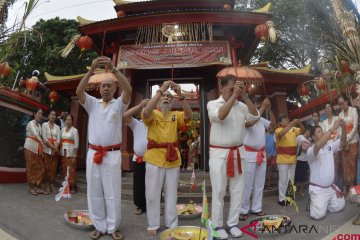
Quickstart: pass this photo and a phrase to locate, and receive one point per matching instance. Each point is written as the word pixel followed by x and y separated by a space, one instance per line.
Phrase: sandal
pixel 152 233
pixel 243 217
pixel 32 192
pixel 96 234
pixel 117 235
pixel 357 220
pixel 222 233
pixel 235 231
pixel 138 211
pixel 260 214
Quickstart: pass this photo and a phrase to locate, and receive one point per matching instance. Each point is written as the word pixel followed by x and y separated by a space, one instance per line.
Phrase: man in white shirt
pixel 227 117
pixel 324 194
pixel 254 163
pixel 140 144
pixel 103 161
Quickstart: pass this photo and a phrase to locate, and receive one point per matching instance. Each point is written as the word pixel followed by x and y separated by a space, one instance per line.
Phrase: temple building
pixel 187 41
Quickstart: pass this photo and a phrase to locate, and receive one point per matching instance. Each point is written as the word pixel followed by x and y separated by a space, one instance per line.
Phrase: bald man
pixel 103 161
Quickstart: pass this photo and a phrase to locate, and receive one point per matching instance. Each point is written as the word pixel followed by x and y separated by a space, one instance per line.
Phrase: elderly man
pixel 162 156
pixel 227 117
pixel 103 161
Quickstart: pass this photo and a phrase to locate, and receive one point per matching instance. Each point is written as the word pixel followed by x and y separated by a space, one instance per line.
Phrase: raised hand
pixel 295 122
pixel 239 89
pixel 337 124
pixel 267 103
pixel 176 88
pixel 165 86
pixel 342 123
pixel 144 102
pixel 305 146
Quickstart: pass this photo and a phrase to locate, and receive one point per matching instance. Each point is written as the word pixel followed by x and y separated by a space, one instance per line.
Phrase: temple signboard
pixel 181 54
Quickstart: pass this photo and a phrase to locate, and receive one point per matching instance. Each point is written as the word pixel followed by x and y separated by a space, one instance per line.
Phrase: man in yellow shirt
pixel 162 156
pixel 286 144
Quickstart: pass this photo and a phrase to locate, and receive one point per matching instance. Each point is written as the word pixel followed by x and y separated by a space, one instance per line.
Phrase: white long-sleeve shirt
pixel 351 120
pixel 72 135
pixel 33 129
pixel 48 133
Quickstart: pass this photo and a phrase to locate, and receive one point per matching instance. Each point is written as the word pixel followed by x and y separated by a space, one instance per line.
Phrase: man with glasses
pixel 162 156
pixel 103 161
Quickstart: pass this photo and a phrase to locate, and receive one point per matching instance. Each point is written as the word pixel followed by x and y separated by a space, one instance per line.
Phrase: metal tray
pixel 77 225
pixel 190 232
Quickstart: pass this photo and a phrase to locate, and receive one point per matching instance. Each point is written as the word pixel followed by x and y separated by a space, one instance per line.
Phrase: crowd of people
pixel 45 146
pixel 244 148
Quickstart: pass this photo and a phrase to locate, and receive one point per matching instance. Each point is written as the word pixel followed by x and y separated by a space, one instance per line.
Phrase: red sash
pixel 230 160
pixel 102 151
pixel 286 150
pixel 171 154
pixel 64 140
pixel 138 158
pixel 339 194
pixel 40 147
pixel 260 153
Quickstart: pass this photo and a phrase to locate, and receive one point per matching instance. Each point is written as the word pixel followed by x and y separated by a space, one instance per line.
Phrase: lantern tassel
pixel 66 51
pixel 272 31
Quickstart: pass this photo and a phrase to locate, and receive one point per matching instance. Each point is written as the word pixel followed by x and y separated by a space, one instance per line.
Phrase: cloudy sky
pixel 89 9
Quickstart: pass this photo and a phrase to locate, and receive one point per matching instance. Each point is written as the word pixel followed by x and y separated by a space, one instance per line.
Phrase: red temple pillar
pixel 278 101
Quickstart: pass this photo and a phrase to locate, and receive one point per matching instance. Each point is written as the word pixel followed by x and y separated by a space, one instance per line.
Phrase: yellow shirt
pixel 288 140
pixel 163 129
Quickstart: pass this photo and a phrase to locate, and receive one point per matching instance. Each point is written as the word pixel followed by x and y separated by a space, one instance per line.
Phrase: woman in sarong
pixel 51 137
pixel 68 151
pixel 350 153
pixel 33 150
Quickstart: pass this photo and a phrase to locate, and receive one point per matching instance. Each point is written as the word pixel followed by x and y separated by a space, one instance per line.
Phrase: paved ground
pixel 27 217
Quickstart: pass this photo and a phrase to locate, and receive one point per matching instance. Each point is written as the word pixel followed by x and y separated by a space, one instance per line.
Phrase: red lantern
pixel 320 84
pixel 121 13
pixel 262 32
pixel 227 7
pixel 4 69
pixel 31 84
pixel 84 42
pixel 53 96
pixel 304 90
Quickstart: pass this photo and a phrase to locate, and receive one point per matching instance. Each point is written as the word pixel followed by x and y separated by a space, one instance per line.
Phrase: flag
pixel 64 191
pixel 205 220
pixel 193 181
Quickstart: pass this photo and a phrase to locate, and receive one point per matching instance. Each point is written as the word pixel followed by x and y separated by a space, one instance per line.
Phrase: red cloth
pixel 138 158
pixel 64 140
pixel 230 160
pixel 40 147
pixel 171 154
pixel 286 150
pixel 339 194
pixel 102 151
pixel 260 153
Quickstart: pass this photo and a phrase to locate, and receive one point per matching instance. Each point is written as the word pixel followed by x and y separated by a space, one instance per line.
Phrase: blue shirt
pixel 270 144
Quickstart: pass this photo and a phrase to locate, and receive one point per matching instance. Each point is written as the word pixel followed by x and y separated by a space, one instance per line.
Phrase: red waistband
pixel 230 168
pixel 339 193
pixel 286 150
pixel 260 153
pixel 101 151
pixel 171 154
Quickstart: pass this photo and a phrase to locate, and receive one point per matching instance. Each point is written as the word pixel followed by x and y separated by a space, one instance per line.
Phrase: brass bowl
pixel 184 233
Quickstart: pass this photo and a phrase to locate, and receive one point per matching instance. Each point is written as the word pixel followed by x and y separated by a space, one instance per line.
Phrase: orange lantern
pixel 320 84
pixel 227 7
pixel 53 96
pixel 262 32
pixel 121 13
pixel 84 42
pixel 304 90
pixel 31 84
pixel 4 69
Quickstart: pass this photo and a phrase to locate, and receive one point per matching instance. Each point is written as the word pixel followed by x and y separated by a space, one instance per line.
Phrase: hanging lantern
pixel 121 13
pixel 262 32
pixel 84 42
pixel 303 90
pixel 227 7
pixel 31 84
pixel 320 84
pixel 53 96
pixel 4 69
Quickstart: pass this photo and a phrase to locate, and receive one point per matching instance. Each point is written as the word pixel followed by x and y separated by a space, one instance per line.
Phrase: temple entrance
pixel 197 130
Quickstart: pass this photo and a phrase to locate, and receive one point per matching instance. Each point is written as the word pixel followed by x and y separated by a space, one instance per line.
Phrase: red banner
pixel 184 54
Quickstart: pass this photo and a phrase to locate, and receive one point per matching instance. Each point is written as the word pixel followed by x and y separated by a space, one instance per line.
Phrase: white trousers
pixel 219 180
pixel 104 191
pixel 254 181
pixel 155 177
pixel 284 177
pixel 323 200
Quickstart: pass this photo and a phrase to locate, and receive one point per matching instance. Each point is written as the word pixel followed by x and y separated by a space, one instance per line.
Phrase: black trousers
pixel 139 185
